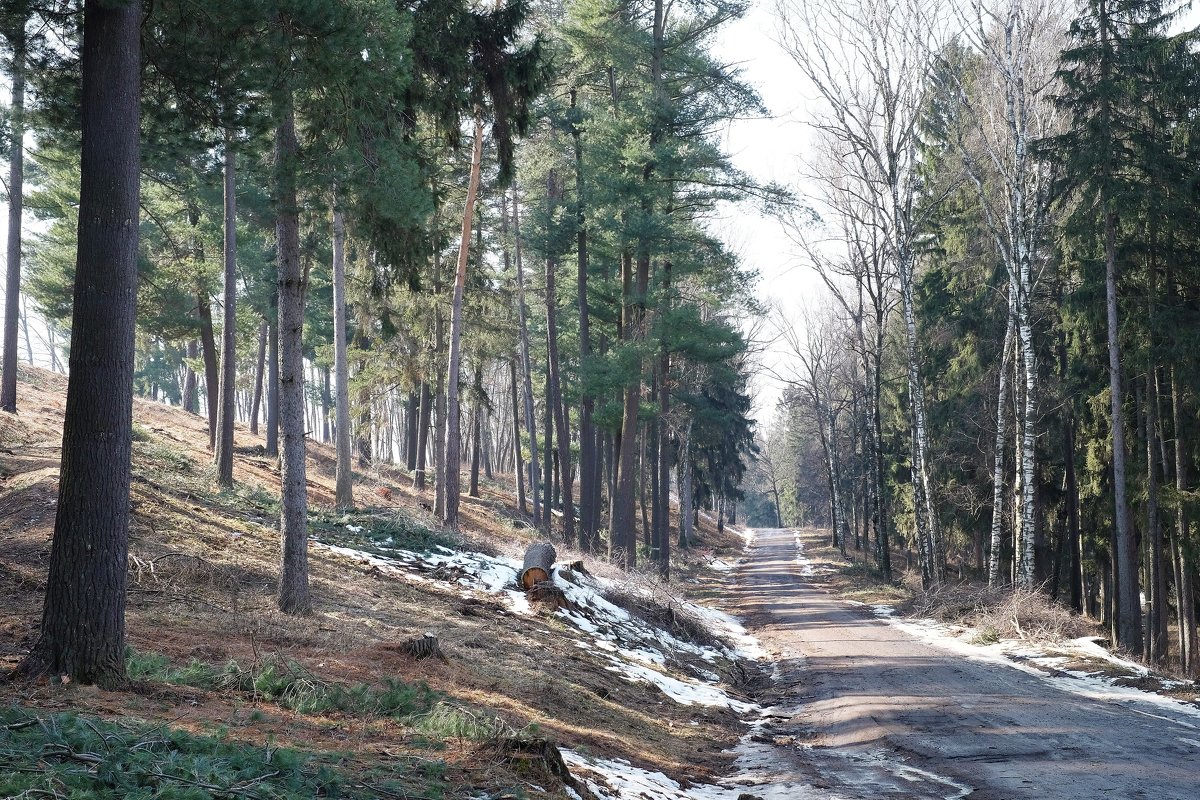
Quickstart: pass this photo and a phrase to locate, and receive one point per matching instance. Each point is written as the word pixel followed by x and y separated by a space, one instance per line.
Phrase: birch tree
pixel 869 61
pixel 1009 108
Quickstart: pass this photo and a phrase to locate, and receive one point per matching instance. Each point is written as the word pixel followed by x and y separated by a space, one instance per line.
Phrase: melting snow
pixel 759 773
pixel 1049 666
pixel 636 650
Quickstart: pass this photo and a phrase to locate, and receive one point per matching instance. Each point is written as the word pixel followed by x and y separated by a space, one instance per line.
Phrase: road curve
pixel 877 713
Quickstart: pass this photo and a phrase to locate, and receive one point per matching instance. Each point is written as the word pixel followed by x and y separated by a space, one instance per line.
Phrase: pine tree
pixel 83 621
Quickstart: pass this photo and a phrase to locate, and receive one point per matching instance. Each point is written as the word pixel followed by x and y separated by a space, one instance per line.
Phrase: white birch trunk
pixel 1001 431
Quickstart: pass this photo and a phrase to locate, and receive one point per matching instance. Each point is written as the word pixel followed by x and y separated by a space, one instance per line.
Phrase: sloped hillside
pixel 613 665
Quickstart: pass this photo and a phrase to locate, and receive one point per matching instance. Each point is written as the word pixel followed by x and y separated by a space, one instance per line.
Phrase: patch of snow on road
pixel 807 569
pixel 617 779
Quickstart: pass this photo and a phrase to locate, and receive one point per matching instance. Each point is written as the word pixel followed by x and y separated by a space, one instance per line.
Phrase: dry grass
pixel 999 613
pixel 203 566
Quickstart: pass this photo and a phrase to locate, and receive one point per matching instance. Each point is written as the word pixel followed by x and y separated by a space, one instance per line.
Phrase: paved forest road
pixel 880 714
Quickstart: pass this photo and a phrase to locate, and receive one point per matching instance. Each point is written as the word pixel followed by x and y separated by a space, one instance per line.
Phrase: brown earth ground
pixel 202 584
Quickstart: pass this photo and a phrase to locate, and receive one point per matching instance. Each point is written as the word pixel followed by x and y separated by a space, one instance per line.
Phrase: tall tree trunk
pixel 208 344
pixel 518 467
pixel 293 522
pixel 1029 534
pixel 928 530
pixel 1185 570
pixel 273 384
pixel 683 476
pixel 1001 430
pixel 411 418
pixel 883 545
pixel 650 466
pixel 190 400
pixel 225 405
pixel 326 404
pixel 439 427
pixel 1156 636
pixel 422 436
pixel 272 447
pixel 665 453
pixel 477 415
pixel 554 196
pixel 1072 490
pixel 364 426
pixel 1129 625
pixel 344 482
pixel 526 362
pixel 453 458
pixel 16 206
pixel 548 456
pixel 260 365
pixel 589 512
pixel 83 620
pixel 621 518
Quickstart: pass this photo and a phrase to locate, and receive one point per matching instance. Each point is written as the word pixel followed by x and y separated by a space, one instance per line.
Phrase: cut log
pixel 539 559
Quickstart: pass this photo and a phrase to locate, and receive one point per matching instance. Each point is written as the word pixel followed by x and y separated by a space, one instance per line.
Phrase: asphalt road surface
pixel 866 710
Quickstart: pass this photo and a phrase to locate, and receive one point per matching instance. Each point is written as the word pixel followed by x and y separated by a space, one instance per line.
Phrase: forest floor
pixel 231 698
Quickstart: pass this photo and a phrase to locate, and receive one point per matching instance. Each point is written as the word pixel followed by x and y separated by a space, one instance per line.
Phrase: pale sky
pixel 769 149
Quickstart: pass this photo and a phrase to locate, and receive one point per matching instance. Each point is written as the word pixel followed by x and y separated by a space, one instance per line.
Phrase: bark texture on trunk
pixel 83 620
pixel 344 485
pixel 518 466
pixel 1001 431
pixel 589 478
pixel 526 364
pixel 1129 617
pixel 260 366
pixel 554 193
pixel 208 344
pixel 273 387
pixel 190 404
pixel 424 415
pixel 477 429
pixel 453 459
pixel 622 538
pixel 225 404
pixel 16 206
pixel 293 523
pixel 1189 657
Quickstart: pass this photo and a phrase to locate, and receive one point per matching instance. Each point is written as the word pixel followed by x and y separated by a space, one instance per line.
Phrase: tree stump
pixel 539 559
pixel 426 646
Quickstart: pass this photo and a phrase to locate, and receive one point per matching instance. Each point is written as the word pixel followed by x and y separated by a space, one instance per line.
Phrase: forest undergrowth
pixel 229 697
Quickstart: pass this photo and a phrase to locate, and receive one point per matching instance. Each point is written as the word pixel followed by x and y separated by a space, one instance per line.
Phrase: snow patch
pixel 1048 667
pixel 761 775
pixel 637 651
